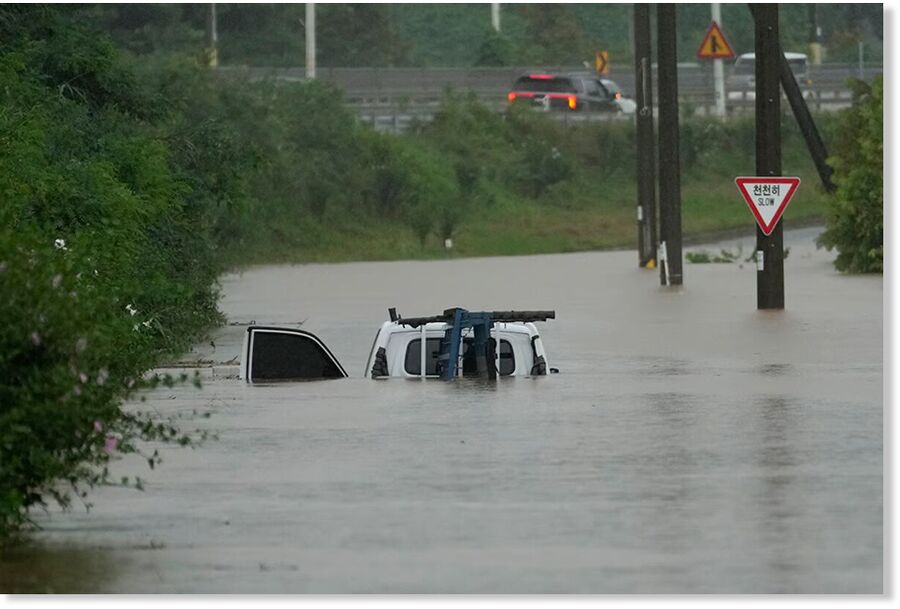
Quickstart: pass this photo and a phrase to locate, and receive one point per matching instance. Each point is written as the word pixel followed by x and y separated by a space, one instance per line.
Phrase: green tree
pixel 855 213
pixel 496 50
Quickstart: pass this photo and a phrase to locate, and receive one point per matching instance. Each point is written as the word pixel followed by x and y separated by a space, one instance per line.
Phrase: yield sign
pixel 767 198
pixel 714 45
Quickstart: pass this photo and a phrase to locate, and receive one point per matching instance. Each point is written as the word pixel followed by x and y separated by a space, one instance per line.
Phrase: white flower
pixel 57 280
pixel 102 375
pixel 146 324
pixel 35 339
pixel 81 345
pixel 83 377
pixel 136 327
pixel 60 244
pixel 130 308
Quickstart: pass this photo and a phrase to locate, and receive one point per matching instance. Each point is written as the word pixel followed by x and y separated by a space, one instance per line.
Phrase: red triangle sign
pixel 767 198
pixel 714 45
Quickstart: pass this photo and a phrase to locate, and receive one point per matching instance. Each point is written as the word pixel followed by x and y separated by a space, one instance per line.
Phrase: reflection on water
pixel 55 569
pixel 688 445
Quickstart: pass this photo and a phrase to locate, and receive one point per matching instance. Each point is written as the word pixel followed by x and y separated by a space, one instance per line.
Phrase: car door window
pixel 592 88
pixel 278 354
pixel 605 92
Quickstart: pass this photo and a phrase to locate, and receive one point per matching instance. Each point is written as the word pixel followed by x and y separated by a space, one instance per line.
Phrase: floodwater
pixel 690 444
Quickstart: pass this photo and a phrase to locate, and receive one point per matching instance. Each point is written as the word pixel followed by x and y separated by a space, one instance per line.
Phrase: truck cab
pixel 397 351
pixel 458 342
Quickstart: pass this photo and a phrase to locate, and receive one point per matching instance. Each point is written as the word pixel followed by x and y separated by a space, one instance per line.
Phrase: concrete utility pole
pixel 769 249
pixel 646 144
pixel 212 37
pixel 718 66
pixel 815 36
pixel 495 16
pixel 670 263
pixel 310 40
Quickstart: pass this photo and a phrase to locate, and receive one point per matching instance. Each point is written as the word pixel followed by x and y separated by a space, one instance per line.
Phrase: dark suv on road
pixel 573 92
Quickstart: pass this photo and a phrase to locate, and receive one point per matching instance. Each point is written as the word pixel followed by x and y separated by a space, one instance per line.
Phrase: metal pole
pixel 310 40
pixel 718 66
pixel 862 72
pixel 212 37
pixel 769 249
pixel 646 144
pixel 422 353
pixel 814 142
pixel 495 16
pixel 669 161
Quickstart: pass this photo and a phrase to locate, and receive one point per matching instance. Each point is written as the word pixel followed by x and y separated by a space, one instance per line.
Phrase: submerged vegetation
pixel 130 186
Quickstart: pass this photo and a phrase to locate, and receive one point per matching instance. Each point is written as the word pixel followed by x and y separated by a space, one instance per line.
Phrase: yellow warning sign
pixel 601 63
pixel 714 45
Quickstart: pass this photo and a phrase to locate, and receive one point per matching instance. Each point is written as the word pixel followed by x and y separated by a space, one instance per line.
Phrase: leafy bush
pixel 855 212
pixel 107 257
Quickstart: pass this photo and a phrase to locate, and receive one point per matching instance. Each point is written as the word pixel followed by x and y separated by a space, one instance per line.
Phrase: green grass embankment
pixel 574 189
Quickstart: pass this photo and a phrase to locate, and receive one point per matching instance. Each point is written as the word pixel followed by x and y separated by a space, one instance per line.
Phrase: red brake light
pixel 540 77
pixel 511 97
pixel 573 101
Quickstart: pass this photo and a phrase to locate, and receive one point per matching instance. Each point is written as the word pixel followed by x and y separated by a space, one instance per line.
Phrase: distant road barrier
pixel 395 98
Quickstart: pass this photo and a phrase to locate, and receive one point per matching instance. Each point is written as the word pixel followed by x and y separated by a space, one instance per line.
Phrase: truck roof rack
pixel 496 316
pixel 481 322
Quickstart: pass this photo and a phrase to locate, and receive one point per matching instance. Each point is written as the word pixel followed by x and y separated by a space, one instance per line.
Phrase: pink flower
pixel 98 426
pixel 110 445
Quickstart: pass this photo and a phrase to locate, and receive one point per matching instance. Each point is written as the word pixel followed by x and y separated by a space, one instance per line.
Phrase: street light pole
pixel 718 66
pixel 212 37
pixel 495 16
pixel 310 40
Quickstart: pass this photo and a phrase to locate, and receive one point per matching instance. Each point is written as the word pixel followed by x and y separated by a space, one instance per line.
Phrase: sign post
pixel 716 48
pixel 769 245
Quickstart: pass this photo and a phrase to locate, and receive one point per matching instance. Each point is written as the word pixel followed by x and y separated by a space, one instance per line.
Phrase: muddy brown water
pixel 689 444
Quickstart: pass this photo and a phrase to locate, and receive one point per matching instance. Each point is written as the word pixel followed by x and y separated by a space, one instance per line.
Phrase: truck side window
pixel 592 88
pixel 507 359
pixel 413 362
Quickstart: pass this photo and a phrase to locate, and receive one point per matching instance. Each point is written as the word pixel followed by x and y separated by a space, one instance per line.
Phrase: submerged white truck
pixel 457 343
